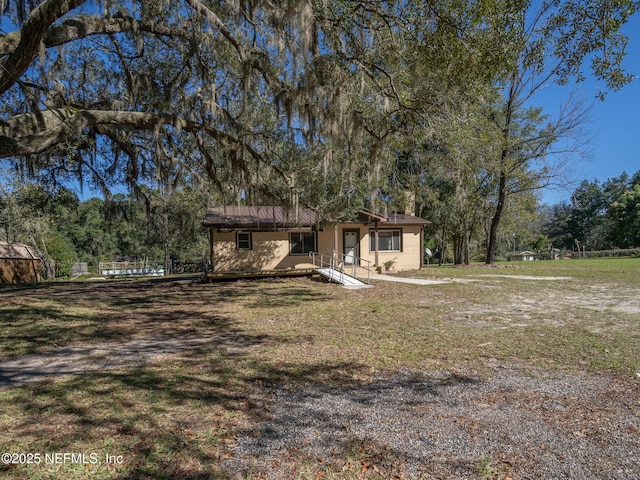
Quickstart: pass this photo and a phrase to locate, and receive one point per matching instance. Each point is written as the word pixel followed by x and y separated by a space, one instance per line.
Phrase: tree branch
pixel 33 30
pixel 62 125
pixel 219 24
pixel 85 26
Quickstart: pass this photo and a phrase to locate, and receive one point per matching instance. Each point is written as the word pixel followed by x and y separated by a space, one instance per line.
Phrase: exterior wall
pixel 269 251
pixel 14 270
pixel 326 242
pixel 412 250
pixel 408 258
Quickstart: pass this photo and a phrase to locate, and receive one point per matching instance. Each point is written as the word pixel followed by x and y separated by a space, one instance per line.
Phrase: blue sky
pixel 615 125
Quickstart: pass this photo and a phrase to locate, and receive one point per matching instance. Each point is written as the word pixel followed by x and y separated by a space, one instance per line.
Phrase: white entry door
pixel 351 240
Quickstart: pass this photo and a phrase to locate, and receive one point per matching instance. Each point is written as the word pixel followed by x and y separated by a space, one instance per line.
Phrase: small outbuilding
pixel 18 263
pixel 526 256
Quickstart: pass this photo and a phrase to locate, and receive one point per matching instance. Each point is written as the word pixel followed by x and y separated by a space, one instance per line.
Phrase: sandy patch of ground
pixel 523 277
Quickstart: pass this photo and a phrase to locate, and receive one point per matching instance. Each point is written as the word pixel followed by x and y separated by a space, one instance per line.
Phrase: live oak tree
pixel 454 182
pixel 520 48
pixel 127 91
pixel 243 94
pixel 302 101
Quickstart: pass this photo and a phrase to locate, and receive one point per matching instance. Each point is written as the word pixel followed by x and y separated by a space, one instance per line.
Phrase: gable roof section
pixel 404 219
pixel 16 251
pixel 259 218
pixel 392 219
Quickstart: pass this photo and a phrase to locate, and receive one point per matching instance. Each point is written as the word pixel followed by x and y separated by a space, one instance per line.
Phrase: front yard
pixel 530 371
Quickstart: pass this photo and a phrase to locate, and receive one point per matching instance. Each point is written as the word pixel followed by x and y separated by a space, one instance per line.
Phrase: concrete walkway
pixel 414 281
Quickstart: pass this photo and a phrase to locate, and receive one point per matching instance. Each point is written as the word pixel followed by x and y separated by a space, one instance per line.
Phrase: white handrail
pixel 333 262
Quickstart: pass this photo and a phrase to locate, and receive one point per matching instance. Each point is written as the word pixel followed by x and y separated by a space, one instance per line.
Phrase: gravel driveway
pixel 510 425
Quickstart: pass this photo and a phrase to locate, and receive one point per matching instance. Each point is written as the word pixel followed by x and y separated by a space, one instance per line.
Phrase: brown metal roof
pixel 16 251
pixel 278 218
pixel 404 219
pixel 391 219
pixel 259 217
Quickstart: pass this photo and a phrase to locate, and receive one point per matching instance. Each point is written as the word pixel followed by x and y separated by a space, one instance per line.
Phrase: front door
pixel 351 246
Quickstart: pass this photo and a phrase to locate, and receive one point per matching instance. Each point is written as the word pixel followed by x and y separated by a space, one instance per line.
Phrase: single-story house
pixel 527 256
pixel 18 263
pixel 272 238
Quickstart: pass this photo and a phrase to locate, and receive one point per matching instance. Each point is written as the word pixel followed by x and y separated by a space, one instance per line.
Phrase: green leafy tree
pixel 201 89
pixel 291 102
pixel 599 217
pixel 61 252
pixel 556 226
pixel 91 234
pixel 550 42
pixel 32 215
pixel 587 216
pixel 625 213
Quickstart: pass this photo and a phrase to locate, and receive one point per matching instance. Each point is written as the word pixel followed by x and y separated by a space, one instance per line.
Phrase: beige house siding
pixel 326 241
pixel 270 228
pixel 408 258
pixel 271 250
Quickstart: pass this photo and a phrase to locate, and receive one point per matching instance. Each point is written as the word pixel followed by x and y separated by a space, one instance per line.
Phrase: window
pixel 302 243
pixel 243 240
pixel 388 240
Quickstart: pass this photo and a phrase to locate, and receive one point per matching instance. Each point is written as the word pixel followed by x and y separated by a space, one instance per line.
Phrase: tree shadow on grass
pixel 192 414
pixel 59 315
pixel 172 419
pixel 79 360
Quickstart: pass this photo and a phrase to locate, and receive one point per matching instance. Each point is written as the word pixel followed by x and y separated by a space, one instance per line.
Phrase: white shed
pixel 526 256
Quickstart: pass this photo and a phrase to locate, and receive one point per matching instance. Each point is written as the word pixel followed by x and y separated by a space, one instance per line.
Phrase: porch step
pixel 338 277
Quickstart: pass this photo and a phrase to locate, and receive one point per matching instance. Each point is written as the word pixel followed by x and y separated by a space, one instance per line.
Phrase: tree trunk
pixel 466 240
pixel 495 221
pixel 502 185
pixel 443 249
pixel 49 268
pixel 165 241
pixel 458 246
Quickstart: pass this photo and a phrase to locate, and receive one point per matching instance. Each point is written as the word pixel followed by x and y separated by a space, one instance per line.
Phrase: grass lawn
pixel 177 415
